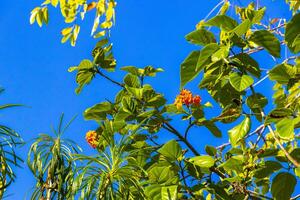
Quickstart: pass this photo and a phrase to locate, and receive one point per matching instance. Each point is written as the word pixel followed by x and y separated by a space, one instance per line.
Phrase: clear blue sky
pixel 33 65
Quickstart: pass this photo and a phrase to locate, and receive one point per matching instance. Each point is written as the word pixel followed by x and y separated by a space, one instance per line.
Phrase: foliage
pixel 50 159
pixel 72 10
pixel 258 162
pixel 9 141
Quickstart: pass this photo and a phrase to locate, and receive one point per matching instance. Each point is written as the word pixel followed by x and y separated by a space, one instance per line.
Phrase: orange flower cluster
pixel 92 138
pixel 186 98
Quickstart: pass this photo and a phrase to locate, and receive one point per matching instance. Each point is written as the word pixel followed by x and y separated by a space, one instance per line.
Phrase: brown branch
pixel 108 78
pixel 170 128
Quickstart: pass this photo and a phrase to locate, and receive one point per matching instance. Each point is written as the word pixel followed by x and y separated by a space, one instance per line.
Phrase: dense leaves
pixel 261 159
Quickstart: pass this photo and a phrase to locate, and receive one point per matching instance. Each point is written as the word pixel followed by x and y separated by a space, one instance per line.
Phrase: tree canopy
pixel 261 159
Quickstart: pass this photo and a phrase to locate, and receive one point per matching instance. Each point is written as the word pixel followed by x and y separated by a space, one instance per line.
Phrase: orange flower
pixel 92 138
pixel 186 98
pixel 197 100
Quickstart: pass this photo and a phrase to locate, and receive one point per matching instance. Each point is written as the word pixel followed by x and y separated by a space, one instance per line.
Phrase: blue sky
pixel 33 66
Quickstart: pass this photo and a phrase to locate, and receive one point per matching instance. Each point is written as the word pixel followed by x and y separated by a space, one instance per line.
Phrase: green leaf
pixel 84 75
pixel 292 33
pixel 132 81
pixel 132 69
pixel 242 28
pixel 220 54
pixel 248 63
pixel 285 128
pixel 282 73
pixel 296 44
pixel 45 15
pixel 206 54
pixel 201 37
pixel 296 154
pixel 234 163
pixel 98 111
pixel 85 64
pixel 267 169
pixel 240 82
pixel 283 186
pixel 258 15
pixel 188 68
pixel 203 161
pixel 239 132
pixel 213 128
pixel 39 18
pixel 256 101
pixel 210 150
pixel 171 150
pixel 135 92
pixel 223 22
pixel 267 40
pixel 169 192
pixel 83 78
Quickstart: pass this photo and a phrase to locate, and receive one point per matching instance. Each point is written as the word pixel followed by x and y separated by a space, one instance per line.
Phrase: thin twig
pixel 289 157
pixel 212 10
pixel 295 197
pixel 187 130
pixel 173 130
pixel 290 58
pixel 108 78
pixel 252 193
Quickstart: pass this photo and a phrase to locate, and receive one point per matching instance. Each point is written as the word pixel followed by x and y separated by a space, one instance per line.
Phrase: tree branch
pixel 108 78
pixel 170 128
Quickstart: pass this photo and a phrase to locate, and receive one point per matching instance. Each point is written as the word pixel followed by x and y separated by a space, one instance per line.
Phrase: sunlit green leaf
pixel 240 82
pixel 267 40
pixel 239 132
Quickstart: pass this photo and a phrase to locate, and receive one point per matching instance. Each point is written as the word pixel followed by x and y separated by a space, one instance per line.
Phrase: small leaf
pixel 256 101
pixel 203 161
pixel 171 150
pixel 45 15
pixel 240 82
pixel 239 132
pixel 210 150
pixel 285 128
pixel 282 73
pixel 248 63
pixel 242 28
pixel 201 37
pixel 39 18
pixel 98 111
pixel 213 128
pixel 223 22
pixel 67 30
pixel 234 163
pixel 169 192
